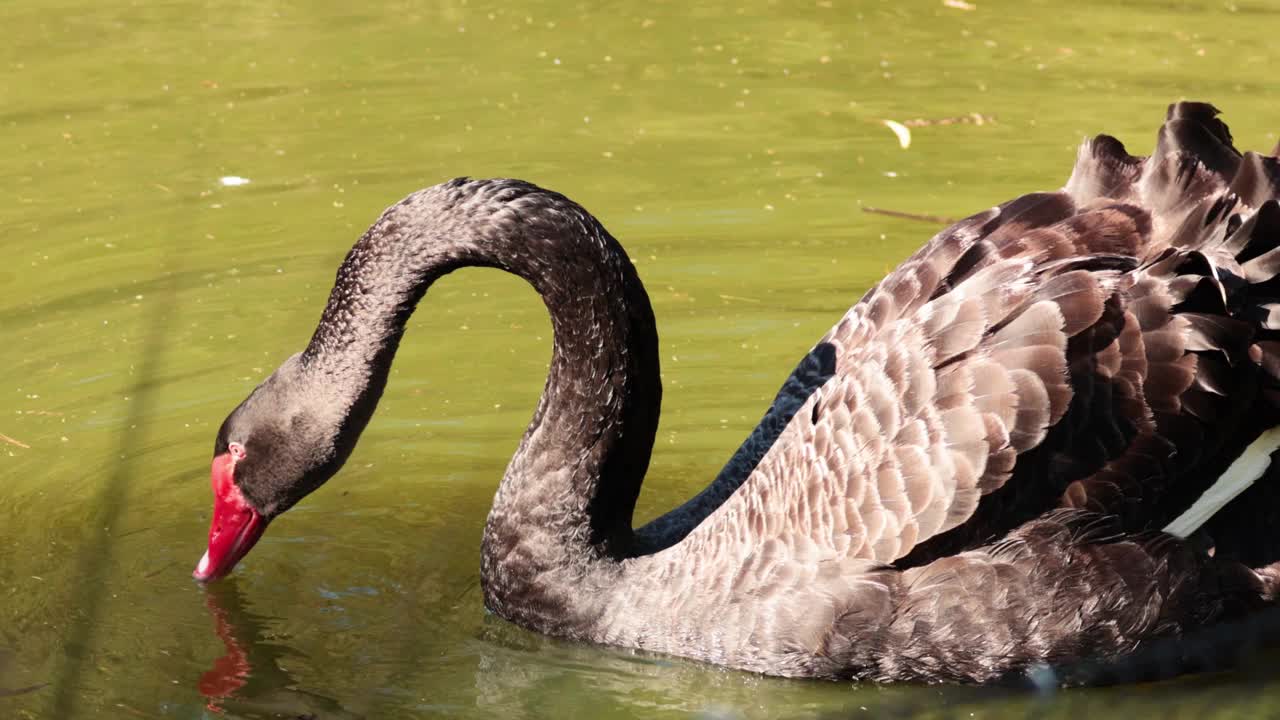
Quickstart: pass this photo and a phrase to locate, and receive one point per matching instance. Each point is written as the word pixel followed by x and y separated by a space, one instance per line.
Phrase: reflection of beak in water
pixel 248 677
pixel 231 671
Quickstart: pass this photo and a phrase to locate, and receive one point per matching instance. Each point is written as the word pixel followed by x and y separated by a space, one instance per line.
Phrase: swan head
pixel 275 448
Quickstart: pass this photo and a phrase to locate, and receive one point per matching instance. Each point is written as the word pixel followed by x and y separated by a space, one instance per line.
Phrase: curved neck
pixel 568 494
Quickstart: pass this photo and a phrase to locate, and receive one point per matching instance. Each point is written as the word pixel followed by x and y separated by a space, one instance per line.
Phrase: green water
pixel 728 148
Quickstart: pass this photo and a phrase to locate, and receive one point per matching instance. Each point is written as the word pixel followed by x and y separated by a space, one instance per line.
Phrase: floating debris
pixel 936 219
pixel 902 131
pixel 6 692
pixel 959 5
pixel 5 662
pixel 970 119
pixel 11 441
pixel 233 181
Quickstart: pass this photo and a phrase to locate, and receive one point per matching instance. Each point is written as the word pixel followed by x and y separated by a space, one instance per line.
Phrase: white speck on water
pixel 233 181
pixel 891 174
pixel 902 131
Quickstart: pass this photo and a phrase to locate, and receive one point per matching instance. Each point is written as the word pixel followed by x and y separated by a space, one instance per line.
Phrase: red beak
pixel 236 526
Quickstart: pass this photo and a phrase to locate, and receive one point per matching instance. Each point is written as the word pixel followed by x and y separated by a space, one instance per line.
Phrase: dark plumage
pixel 970 477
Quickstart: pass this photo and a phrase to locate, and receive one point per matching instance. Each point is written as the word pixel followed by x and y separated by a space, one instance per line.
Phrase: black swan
pixel 1038 440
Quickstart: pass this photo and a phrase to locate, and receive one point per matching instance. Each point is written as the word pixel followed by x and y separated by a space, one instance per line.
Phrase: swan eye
pixel 236 450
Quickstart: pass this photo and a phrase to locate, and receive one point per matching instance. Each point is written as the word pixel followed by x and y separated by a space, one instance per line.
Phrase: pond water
pixel 144 292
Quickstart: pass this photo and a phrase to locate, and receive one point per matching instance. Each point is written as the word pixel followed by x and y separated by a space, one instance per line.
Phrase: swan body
pixel 968 478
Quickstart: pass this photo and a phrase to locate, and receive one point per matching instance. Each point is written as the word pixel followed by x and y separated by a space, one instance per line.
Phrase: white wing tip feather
pixel 1242 473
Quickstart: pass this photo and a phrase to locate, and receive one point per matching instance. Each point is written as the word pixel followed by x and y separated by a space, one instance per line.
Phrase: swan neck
pixel 568 494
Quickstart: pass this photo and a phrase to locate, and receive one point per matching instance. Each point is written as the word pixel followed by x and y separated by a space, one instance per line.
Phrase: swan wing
pixel 1103 347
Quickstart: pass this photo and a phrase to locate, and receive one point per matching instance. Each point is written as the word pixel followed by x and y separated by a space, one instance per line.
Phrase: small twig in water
pixel 938 219
pixel 11 441
pixel 970 119
pixel 472 585
pixel 159 570
pixel 5 692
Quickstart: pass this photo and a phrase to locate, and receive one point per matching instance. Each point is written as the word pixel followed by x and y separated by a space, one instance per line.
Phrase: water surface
pixel 729 148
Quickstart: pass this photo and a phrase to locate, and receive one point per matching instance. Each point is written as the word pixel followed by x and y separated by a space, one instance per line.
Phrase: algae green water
pixel 730 148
